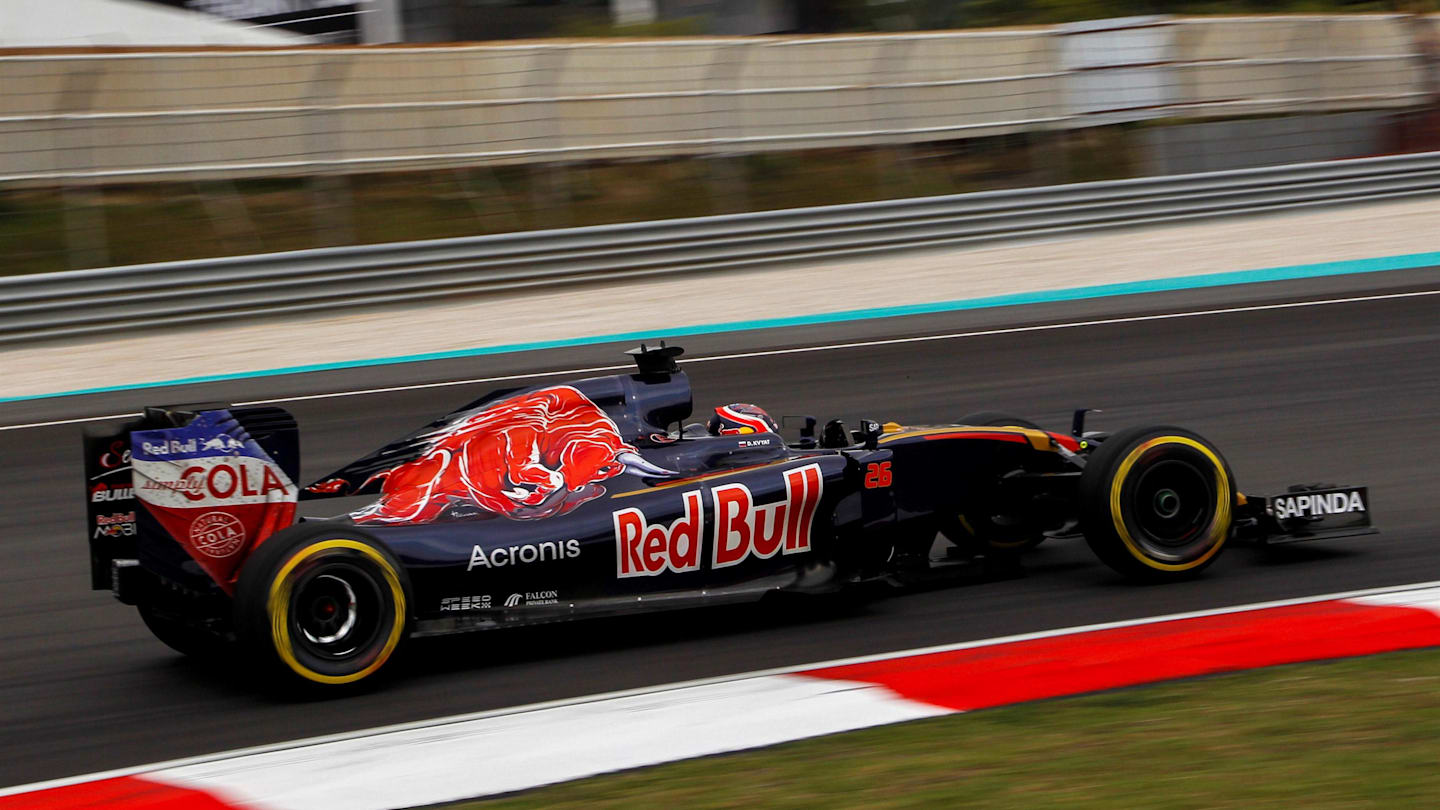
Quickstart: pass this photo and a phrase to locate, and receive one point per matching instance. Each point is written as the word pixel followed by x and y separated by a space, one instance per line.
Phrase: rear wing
pixel 210 480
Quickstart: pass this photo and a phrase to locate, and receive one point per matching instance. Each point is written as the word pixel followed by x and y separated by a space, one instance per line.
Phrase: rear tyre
pixel 180 636
pixel 1003 529
pixel 322 605
pixel 1156 503
pixel 996 419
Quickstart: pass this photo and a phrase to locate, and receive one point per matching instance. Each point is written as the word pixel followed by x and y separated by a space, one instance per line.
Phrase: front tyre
pixel 990 525
pixel 322 605
pixel 1156 503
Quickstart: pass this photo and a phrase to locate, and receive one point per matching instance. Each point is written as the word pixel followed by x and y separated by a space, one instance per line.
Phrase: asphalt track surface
pixel 1342 392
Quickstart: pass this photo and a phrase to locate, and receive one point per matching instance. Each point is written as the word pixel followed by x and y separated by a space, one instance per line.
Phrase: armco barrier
pixel 144 296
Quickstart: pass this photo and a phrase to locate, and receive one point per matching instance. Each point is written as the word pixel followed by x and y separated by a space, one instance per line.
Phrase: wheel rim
pixel 1174 503
pixel 316 630
pixel 327 611
pixel 1169 503
pixel 335 611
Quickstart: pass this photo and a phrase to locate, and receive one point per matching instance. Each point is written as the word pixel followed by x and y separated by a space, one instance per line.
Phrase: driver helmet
pixel 739 418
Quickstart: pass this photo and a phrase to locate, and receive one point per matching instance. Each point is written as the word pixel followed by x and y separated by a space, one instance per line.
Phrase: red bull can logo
pixel 742 530
pixel 532 456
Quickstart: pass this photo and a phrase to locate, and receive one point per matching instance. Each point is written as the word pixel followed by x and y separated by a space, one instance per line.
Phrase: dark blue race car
pixel 595 497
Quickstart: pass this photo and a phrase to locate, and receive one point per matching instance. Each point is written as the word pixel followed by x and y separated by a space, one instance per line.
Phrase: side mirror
pixel 807 429
pixel 807 424
pixel 1077 424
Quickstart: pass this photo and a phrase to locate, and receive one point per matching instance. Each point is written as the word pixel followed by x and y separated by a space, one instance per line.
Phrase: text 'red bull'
pixel 742 529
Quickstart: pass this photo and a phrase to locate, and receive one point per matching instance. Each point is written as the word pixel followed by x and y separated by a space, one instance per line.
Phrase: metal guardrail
pixel 117 299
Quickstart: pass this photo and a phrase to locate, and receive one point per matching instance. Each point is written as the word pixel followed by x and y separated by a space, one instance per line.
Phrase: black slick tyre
pixel 977 530
pixel 996 419
pixel 1156 503
pixel 175 633
pixel 322 605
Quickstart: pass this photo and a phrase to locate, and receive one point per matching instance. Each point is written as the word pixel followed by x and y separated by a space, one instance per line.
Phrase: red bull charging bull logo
pixel 532 456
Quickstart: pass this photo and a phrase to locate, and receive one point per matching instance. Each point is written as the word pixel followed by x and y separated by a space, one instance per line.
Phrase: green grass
pixel 1346 734
pixel 137 223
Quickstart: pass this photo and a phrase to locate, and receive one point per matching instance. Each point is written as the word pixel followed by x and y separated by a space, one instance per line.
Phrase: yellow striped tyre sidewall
pixel 1219 527
pixel 278 608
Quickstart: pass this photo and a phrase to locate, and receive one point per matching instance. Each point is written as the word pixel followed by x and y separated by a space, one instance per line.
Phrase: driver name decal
pixel 741 528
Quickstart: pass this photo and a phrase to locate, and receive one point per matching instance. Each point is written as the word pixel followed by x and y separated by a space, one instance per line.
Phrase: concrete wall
pixel 108 116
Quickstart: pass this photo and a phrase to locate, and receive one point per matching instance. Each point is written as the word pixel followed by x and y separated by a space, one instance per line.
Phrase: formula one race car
pixel 564 501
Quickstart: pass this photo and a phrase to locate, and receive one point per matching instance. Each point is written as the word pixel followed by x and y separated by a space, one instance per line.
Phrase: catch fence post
pixel 331 199
pixel 726 124
pixel 82 201
pixel 1052 138
pixel 549 185
pixel 897 159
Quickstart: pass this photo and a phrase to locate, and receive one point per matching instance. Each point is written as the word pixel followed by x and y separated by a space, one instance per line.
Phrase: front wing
pixel 1306 512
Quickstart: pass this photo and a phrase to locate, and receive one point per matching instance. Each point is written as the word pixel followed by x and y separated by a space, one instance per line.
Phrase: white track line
pixel 1375 595
pixel 1011 330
